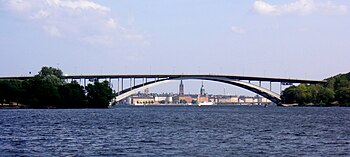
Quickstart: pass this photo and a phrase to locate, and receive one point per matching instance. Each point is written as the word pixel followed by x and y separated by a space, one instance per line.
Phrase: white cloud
pixel 111 23
pixel 53 31
pixel 237 30
pixel 265 8
pixel 81 20
pixel 300 7
pixel 19 5
pixel 79 4
pixel 331 8
pixel 40 14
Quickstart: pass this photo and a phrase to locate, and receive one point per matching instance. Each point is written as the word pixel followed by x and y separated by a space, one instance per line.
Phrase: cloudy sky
pixel 289 38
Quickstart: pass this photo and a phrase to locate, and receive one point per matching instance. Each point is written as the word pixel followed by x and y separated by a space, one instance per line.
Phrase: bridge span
pixel 138 82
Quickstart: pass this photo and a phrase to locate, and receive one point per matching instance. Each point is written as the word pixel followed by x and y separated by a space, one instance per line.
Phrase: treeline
pixel 48 89
pixel 335 92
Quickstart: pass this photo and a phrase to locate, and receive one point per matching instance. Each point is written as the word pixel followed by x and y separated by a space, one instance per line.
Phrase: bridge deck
pixel 234 77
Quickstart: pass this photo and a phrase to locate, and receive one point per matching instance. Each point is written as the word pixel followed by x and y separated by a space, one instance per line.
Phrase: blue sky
pixel 290 38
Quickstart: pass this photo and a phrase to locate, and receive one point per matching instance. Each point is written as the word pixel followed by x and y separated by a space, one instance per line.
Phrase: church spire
pixel 202 90
pixel 181 89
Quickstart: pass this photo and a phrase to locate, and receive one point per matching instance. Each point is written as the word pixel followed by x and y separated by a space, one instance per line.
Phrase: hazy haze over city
pixel 306 39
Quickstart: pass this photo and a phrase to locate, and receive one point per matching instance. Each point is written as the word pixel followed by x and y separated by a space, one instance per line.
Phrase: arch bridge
pixel 138 83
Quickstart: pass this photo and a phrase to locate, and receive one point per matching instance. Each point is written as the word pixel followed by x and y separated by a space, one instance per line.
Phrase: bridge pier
pixel 122 84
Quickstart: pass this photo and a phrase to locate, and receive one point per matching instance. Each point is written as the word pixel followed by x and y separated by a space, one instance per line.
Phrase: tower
pixel 202 91
pixel 181 89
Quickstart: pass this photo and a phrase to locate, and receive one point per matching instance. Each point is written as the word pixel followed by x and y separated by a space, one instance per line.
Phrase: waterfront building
pixel 163 99
pixel 142 100
pixel 228 99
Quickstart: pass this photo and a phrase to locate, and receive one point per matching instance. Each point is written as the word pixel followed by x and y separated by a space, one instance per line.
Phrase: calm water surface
pixel 176 131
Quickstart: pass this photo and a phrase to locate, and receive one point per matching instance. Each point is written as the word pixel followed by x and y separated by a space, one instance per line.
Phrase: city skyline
pixel 305 39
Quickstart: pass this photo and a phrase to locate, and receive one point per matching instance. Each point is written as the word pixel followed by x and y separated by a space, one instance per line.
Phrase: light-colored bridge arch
pixel 274 97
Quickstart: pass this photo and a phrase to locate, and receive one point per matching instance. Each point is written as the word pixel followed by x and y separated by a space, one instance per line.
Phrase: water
pixel 176 131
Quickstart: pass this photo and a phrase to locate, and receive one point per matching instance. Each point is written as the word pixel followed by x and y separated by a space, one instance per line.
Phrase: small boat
pixel 205 104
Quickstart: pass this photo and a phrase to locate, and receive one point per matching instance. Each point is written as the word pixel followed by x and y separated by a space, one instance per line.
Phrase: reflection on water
pixel 181 130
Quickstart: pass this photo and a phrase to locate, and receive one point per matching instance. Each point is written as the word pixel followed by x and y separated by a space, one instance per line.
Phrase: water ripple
pixel 176 131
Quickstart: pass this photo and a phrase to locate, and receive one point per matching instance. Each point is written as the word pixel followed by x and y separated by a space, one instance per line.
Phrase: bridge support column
pixel 118 86
pixel 130 81
pixel 280 87
pixel 110 82
pixel 270 86
pixel 122 84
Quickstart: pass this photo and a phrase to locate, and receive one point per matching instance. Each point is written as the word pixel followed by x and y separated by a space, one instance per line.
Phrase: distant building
pixel 228 99
pixel 142 100
pixel 186 98
pixel 163 99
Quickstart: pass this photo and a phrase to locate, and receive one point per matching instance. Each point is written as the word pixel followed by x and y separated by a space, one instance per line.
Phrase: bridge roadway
pixel 128 76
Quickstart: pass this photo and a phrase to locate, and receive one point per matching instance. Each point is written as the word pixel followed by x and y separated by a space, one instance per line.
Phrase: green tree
pixel 11 91
pixel 289 95
pixel 182 101
pixel 47 71
pixel 100 94
pixel 325 96
pixel 15 91
pixel 162 102
pixel 194 102
pixel 2 92
pixel 42 90
pixel 72 95
pixel 343 96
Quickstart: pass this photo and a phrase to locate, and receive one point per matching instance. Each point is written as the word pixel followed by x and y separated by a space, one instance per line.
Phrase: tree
pixel 2 92
pixel 289 95
pixel 11 91
pixel 194 102
pixel 325 96
pixel 72 95
pixel 162 102
pixel 47 71
pixel 99 95
pixel 182 101
pixel 15 91
pixel 42 90
pixel 343 96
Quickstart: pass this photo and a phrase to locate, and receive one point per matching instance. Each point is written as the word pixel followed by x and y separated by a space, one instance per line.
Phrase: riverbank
pixel 13 106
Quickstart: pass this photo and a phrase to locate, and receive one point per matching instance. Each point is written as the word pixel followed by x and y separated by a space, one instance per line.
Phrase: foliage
pixel 182 101
pixel 194 102
pixel 48 89
pixel 72 95
pixel 49 71
pixel 10 91
pixel 99 94
pixel 335 92
pixel 343 96
pixel 162 102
